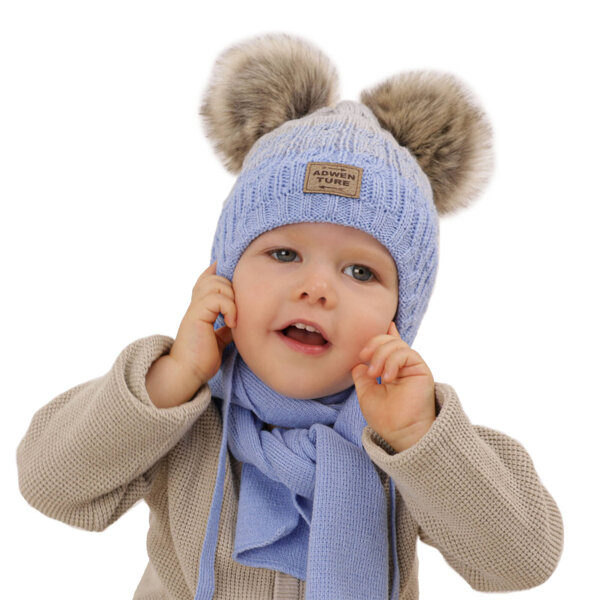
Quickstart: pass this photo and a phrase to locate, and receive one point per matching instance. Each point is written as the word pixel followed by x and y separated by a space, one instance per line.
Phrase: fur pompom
pixel 436 118
pixel 260 84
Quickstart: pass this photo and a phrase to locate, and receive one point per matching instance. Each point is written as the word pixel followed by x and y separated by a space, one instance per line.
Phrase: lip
pixel 304 348
pixel 305 322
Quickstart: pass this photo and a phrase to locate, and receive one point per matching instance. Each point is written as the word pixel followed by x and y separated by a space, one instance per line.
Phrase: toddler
pixel 289 442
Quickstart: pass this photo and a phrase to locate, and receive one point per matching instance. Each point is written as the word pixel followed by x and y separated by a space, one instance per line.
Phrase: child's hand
pixel 402 408
pixel 198 348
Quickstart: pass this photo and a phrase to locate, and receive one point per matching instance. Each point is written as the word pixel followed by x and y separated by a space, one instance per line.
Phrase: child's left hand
pixel 402 408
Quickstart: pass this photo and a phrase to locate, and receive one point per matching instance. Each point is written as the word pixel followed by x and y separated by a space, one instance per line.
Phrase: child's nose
pixel 316 287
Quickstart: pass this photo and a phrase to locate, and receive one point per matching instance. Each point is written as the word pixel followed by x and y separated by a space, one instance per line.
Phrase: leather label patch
pixel 333 178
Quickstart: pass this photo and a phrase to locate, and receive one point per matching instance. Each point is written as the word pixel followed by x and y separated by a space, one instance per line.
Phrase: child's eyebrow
pixel 369 253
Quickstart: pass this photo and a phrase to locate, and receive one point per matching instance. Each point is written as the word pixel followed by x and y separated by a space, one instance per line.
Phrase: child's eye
pixel 283 255
pixel 359 272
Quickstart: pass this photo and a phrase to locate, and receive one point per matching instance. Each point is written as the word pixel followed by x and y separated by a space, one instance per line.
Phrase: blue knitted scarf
pixel 311 503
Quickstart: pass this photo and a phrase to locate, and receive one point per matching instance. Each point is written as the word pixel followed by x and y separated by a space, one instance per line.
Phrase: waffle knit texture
pixel 94 451
pixel 395 205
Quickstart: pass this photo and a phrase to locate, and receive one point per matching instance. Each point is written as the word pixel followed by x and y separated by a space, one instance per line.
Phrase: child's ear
pixel 437 119
pixel 259 84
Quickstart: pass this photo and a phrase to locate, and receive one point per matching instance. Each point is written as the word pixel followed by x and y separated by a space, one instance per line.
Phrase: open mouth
pixel 305 334
pixel 304 337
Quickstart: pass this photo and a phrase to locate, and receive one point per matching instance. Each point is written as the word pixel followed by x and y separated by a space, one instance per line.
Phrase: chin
pixel 304 391
pixel 294 382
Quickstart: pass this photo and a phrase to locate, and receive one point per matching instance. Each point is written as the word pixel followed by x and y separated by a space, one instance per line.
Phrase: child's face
pixel 338 279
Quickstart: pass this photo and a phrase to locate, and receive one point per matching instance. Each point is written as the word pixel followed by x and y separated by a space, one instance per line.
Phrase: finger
pixel 394 364
pixel 361 380
pixel 208 310
pixel 372 345
pixel 212 283
pixel 215 285
pixel 406 363
pixel 210 270
pixel 381 354
pixel 393 330
pixel 229 312
pixel 376 341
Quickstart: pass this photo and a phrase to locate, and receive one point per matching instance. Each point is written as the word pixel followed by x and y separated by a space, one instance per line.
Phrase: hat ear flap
pixel 260 84
pixel 437 119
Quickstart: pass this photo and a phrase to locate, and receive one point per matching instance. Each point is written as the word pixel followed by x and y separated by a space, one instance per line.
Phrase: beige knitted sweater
pixel 94 451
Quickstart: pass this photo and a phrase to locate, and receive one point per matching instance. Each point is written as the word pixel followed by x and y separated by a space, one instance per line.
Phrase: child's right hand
pixel 198 347
pixel 196 354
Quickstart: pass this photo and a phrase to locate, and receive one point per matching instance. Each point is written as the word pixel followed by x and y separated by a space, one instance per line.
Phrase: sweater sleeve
pixel 477 498
pixel 92 452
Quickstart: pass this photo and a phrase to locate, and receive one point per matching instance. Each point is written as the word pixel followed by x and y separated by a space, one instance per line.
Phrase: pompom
pixel 437 119
pixel 260 84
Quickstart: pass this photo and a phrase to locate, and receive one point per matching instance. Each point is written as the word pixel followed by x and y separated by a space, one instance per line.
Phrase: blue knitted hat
pixel 415 147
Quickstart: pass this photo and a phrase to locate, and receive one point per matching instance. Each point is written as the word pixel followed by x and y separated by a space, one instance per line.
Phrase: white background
pixel 110 194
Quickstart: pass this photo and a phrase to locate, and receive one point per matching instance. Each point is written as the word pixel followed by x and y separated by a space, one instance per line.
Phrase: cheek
pixel 245 319
pixel 244 287
pixel 372 320
pixel 254 301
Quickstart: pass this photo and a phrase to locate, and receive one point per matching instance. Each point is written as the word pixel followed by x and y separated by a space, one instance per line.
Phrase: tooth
pixel 307 327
